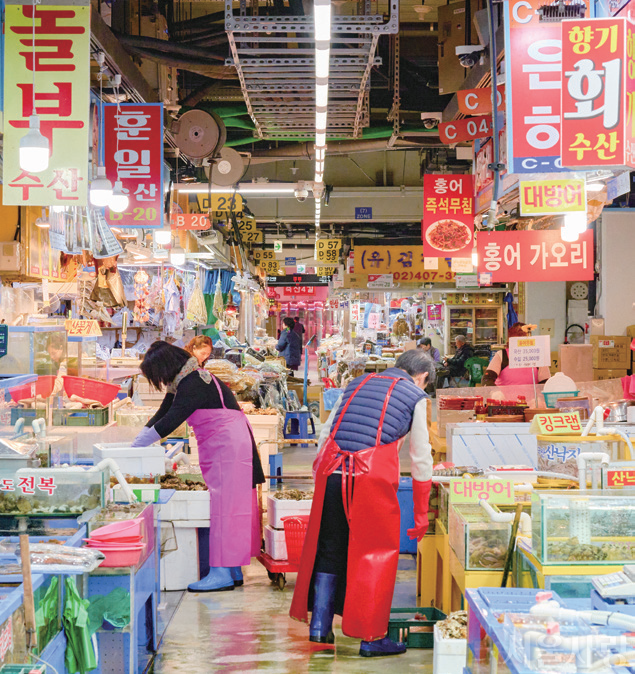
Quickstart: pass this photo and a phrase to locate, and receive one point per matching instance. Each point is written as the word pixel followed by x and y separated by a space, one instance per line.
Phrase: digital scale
pixel 615 591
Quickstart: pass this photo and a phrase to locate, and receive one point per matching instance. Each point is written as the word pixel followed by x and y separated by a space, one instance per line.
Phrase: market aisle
pixel 249 630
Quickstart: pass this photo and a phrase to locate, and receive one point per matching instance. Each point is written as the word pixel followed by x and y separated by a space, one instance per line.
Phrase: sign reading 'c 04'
pixel 465 129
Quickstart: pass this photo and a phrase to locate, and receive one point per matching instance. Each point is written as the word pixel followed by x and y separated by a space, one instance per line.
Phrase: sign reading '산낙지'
pixel 448 215
pixel 60 57
pixel 535 256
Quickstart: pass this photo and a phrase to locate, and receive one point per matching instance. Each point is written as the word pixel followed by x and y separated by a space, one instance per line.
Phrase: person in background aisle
pixel 201 348
pixel 425 345
pixel 498 372
pixel 289 345
pixel 298 328
pixel 456 363
pixel 227 453
pixel 351 550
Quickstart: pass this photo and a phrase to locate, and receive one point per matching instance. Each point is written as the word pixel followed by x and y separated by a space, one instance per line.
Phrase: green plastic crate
pixel 98 417
pixel 402 621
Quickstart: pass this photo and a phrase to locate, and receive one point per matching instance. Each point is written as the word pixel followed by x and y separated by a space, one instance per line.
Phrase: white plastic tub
pixel 275 543
pixel 138 461
pixel 449 654
pixel 186 505
pixel 277 509
pixel 179 567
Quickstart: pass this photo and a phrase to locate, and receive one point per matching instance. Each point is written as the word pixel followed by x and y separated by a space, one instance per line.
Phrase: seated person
pixel 456 363
pixel 426 345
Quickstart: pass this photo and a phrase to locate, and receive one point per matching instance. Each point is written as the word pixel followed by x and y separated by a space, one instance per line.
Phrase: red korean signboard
pixel 479 101
pixel 463 130
pixel 54 41
pixel 133 147
pixel 620 478
pixel 535 256
pixel 533 53
pixel 598 93
pixel 448 215
pixel 190 221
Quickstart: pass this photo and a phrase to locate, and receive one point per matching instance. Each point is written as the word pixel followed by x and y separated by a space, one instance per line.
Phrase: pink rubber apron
pixel 225 454
pixel 516 376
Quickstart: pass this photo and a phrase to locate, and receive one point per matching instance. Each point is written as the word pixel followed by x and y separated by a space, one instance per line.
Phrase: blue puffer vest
pixel 358 429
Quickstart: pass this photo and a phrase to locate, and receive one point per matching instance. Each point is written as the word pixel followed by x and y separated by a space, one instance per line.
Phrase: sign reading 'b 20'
pixel 598 93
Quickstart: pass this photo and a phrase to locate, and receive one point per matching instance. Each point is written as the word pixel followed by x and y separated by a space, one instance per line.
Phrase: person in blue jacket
pixel 289 345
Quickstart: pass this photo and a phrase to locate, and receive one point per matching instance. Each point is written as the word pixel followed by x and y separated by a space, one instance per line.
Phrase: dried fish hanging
pixel 196 309
pixel 218 307
pixel 141 291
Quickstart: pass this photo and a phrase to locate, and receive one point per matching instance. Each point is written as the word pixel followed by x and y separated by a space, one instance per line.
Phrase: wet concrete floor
pixel 249 630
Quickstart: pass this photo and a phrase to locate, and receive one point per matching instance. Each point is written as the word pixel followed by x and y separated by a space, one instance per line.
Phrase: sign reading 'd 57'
pixel 465 129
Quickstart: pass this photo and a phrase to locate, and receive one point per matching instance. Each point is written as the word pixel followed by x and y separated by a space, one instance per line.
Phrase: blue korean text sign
pixel 363 213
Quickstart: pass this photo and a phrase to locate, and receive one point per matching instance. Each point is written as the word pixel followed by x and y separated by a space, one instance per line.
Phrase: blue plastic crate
pixel 404 495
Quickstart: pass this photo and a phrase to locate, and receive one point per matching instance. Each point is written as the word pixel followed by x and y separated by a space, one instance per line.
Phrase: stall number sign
pixel 327 250
pixel 466 490
pixel 220 202
pixel 28 484
pixel 557 424
pixel 464 130
pixel 270 266
pixel 76 327
pixel 249 233
pixel 190 221
pixel 530 351
pixel 326 271
pixel 620 478
pixel 264 255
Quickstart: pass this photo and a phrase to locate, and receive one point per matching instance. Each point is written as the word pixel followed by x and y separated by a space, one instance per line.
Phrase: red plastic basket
pixel 93 389
pixel 295 527
pixel 43 387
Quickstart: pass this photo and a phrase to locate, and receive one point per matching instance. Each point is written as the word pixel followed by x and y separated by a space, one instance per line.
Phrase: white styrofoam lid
pixel 559 382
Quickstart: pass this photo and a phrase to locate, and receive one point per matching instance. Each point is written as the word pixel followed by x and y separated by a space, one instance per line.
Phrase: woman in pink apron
pixel 227 454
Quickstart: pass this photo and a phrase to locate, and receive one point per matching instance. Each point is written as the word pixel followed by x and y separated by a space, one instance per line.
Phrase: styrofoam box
pixel 179 568
pixel 186 505
pixel 481 445
pixel 449 654
pixel 277 509
pixel 132 460
pixel 275 543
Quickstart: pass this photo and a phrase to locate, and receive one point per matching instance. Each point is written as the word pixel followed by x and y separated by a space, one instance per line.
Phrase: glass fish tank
pixel 576 528
pixel 82 358
pixel 34 349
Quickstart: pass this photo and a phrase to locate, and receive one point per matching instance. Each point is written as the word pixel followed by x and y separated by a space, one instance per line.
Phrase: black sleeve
pixel 163 409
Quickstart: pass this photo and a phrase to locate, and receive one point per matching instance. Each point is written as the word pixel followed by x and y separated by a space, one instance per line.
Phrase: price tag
pixel 530 351
pixel 76 327
pixel 220 202
pixel 567 423
pixel 462 265
pixel 469 490
pixel 327 250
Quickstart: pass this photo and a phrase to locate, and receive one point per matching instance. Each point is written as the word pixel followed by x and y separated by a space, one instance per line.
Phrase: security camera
pixel 430 120
pixel 301 192
pixel 470 55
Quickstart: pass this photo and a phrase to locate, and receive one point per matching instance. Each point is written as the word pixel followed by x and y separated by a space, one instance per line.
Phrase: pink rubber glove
pixel 421 500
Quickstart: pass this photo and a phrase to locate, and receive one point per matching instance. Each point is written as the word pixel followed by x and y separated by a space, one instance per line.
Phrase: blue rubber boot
pixel 219 579
pixel 237 576
pixel 320 630
pixel 381 647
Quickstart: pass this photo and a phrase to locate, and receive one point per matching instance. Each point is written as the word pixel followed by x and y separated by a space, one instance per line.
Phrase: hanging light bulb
pixel 576 222
pixel 42 222
pixel 475 257
pixel 162 237
pixel 119 201
pixel 569 234
pixel 100 189
pixel 177 256
pixel 34 148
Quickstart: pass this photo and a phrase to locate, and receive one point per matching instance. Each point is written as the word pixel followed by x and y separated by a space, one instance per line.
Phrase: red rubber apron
pixel 370 478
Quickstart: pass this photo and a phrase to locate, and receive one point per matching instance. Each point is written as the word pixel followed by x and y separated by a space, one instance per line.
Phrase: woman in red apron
pixel 227 454
pixel 367 544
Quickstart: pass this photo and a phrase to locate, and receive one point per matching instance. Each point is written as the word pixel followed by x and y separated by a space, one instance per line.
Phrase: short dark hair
pixel 416 362
pixel 162 363
pixel 289 322
pixel 425 341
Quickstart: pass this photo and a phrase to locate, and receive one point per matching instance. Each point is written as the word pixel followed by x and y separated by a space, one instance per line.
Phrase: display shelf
pixel 470 320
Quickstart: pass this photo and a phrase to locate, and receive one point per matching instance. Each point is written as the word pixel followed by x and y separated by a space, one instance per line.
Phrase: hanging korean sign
pixel 549 197
pixel 479 101
pixel 60 57
pixel 533 52
pixel 484 177
pixel 535 256
pixel 405 263
pixel 598 90
pixel 448 215
pixel 133 151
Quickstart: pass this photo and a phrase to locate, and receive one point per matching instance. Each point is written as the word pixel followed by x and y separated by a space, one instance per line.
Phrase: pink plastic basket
pixel 119 530
pixel 93 389
pixel 295 527
pixel 128 556
pixel 43 387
